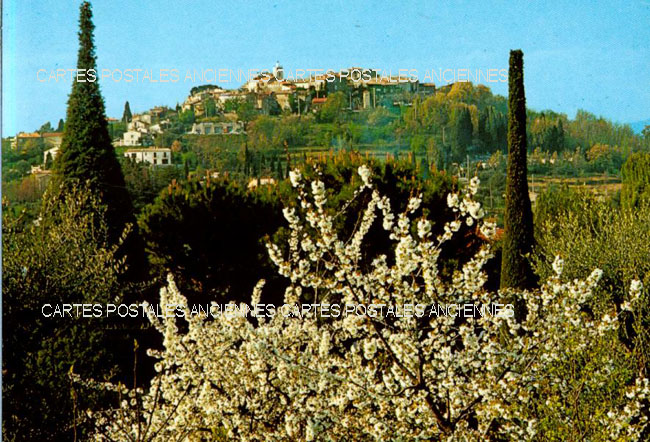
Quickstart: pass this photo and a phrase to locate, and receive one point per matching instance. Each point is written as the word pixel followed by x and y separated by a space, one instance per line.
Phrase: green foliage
pixel 202 88
pixel 186 118
pixel 48 161
pixel 210 107
pixel 380 116
pixel 117 129
pixel 588 233
pixel 569 410
pixel 604 159
pixel 273 133
pixel 16 163
pixel 271 105
pixel 333 110
pixel 547 134
pixel 165 139
pixel 557 202
pixel 587 129
pixel 245 109
pixel 87 153
pixel 636 181
pixel 126 115
pixel 45 128
pixel 461 136
pixel 492 191
pixel 516 271
pixel 64 257
pixel 212 152
pixel 144 182
pixel 496 130
pixel 295 104
pixel 208 234
pixel 26 191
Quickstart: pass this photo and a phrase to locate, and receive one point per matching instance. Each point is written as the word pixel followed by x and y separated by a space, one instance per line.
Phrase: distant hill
pixel 638 126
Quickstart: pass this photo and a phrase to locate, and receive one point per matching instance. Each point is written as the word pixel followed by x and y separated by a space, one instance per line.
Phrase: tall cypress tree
pixel 127 116
pixel 87 154
pixel 516 271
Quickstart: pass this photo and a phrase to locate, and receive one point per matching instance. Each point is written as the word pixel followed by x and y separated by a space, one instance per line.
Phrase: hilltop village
pixel 254 134
pixel 212 110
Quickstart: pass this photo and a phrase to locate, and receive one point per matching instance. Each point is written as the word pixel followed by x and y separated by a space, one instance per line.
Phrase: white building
pixel 158 128
pixel 224 128
pixel 158 156
pixel 138 125
pixel 132 138
pixel 143 118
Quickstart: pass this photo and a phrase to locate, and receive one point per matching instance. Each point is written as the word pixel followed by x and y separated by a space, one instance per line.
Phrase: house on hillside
pixel 22 137
pixel 53 139
pixel 158 112
pixel 138 125
pixel 317 103
pixel 132 138
pixel 223 128
pixel 50 139
pixel 157 156
pixel 144 118
pixel 160 127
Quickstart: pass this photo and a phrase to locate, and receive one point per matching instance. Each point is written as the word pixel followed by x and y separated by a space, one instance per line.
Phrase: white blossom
pixel 424 228
pixel 452 200
pixel 363 377
pixel 558 265
pixel 365 173
pixel 474 184
pixel 295 177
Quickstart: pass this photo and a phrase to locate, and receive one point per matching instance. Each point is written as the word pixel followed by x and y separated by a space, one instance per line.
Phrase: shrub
pixel 636 181
pixel 62 257
pixel 588 233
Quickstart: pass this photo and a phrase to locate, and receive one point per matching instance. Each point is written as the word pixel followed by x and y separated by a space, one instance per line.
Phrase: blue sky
pixel 593 55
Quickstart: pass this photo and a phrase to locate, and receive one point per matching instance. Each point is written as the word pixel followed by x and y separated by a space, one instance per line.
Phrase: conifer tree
pixel 461 133
pixel 45 128
pixel 279 171
pixel 61 126
pixel 127 116
pixel 560 136
pixel 86 153
pixel 48 161
pixel 186 169
pixel 516 271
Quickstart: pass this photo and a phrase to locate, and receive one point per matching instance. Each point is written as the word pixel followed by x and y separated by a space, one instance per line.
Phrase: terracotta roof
pixel 388 80
pixel 53 134
pixel 319 100
pixel 29 135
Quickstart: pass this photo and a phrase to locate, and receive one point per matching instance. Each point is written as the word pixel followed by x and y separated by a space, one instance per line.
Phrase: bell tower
pixel 278 71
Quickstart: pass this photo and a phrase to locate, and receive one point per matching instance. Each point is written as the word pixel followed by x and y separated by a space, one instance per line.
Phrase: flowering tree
pixel 300 374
